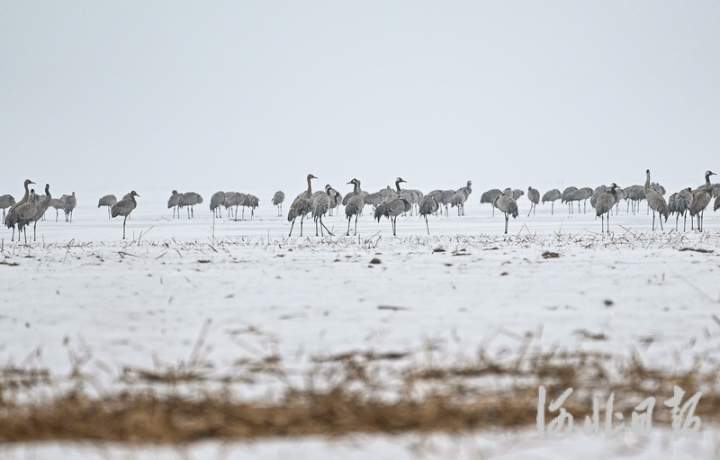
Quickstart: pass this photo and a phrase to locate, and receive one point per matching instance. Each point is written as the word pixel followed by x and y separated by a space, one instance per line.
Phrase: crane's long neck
pixel 356 187
pixel 309 186
pixel 707 180
pixel 647 181
pixel 357 183
pixel 397 185
pixel 26 197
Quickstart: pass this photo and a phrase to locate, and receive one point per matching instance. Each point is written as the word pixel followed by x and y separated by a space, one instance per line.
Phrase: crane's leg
pixel 348 230
pixel 660 218
pixel 124 220
pixel 291 228
pixel 356 218
pixel 653 227
pixel 427 226
pixel 302 219
pixel 322 225
pixel 493 208
pixel 608 223
pixel 552 208
pixel 684 221
pixel 530 211
pixel 602 223
pixel 34 232
pixel 506 223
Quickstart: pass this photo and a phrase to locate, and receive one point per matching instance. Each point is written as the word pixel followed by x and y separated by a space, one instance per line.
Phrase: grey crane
pixel 232 200
pixel 534 197
pixel 517 193
pixel 679 204
pixel 321 202
pixel 604 203
pixel 597 192
pixel 40 207
pixel 635 194
pixel 701 198
pixel 507 204
pixel 354 203
pixel 583 194
pixel 12 217
pixel 445 199
pixel 489 197
pixel 109 201
pixel 23 214
pixel 277 201
pixel 716 206
pixel 172 203
pixel 252 202
pixel 70 204
pixel 460 197
pixel 189 200
pixel 568 196
pixel 437 194
pixel 394 207
pixel 216 200
pixel 335 198
pixel 428 205
pixel 124 207
pixel 655 201
pixel 6 201
pixel 357 190
pixel 552 196
pixel 301 206
pixel 57 204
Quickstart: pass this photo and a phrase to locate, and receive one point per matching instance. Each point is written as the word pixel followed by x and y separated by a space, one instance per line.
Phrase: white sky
pixel 252 95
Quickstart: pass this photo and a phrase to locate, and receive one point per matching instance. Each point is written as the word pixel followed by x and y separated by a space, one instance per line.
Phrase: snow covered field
pixel 112 304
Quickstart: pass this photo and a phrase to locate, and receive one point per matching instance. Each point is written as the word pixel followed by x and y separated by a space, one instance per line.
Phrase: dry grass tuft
pixel 354 392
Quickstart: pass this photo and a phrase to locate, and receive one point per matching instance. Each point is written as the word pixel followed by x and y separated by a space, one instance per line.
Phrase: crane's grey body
pixel 172 203
pixel 634 195
pixel 394 207
pixel 428 205
pixel 57 204
pixel 701 199
pixel 189 200
pixel 41 206
pixel 489 197
pixel 251 201
pixel 70 202
pixel 12 217
pixel 277 201
pixel 216 201
pixel 6 201
pixel 534 197
pixel 605 199
pixel 357 190
pixel 301 206
pixel 507 204
pixel 108 201
pixel 124 207
pixel 460 196
pixel 656 202
pixel 335 199
pixel 679 204
pixel 354 203
pixel 552 196
pixel 321 203
pixel 568 196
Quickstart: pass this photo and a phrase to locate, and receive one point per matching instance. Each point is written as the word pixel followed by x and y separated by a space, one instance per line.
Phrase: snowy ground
pixel 135 303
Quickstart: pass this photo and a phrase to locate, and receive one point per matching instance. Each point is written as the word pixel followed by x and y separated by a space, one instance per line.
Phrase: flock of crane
pixel 389 203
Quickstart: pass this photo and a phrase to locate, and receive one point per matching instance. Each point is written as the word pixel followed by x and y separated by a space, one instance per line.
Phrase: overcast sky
pixel 252 95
